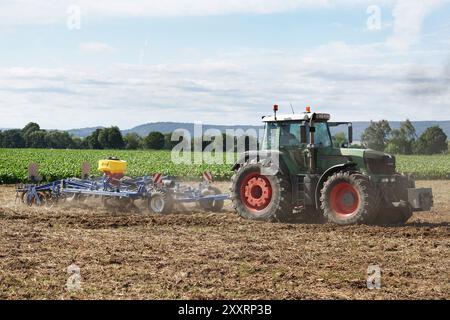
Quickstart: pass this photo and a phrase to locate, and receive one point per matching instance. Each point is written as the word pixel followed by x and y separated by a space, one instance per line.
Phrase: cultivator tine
pixel 32 197
pixel 21 190
pixel 18 187
pixel 207 177
pixel 85 170
pixel 33 173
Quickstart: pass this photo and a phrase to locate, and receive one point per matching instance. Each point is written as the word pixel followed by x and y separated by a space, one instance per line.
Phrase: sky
pixel 74 64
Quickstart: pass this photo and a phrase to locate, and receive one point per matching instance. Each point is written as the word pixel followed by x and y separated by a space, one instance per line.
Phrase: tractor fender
pixel 329 172
pixel 258 156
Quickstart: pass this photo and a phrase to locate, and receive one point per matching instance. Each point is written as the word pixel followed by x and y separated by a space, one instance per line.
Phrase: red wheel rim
pixel 344 199
pixel 256 192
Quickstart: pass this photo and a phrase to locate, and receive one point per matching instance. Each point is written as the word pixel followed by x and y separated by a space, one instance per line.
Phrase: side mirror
pixel 303 134
pixel 350 134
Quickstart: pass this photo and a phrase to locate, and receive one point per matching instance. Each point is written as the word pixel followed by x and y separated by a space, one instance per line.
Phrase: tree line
pixel 404 140
pixel 378 136
pixel 32 136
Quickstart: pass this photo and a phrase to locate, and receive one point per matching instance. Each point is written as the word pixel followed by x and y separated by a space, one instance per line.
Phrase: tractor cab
pixel 305 140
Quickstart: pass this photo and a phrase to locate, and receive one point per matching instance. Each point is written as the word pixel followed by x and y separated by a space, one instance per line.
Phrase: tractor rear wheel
pixel 259 197
pixel 349 199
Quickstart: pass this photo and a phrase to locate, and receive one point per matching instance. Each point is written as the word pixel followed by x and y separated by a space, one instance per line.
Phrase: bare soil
pixel 198 255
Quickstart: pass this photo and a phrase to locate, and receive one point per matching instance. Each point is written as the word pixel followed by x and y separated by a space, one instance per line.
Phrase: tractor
pixel 299 171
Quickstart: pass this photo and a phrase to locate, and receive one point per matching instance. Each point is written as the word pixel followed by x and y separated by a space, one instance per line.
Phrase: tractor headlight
pixel 389 180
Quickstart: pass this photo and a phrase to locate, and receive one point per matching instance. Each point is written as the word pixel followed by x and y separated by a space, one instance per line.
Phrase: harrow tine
pixel 85 170
pixel 33 173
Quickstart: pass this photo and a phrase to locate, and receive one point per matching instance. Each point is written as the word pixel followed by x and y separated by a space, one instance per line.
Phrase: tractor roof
pixel 297 117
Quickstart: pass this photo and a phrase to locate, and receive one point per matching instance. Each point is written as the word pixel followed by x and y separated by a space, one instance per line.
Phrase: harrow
pixel 159 192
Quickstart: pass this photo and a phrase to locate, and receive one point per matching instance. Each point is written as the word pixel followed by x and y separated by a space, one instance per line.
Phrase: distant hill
pixel 167 127
pixel 83 132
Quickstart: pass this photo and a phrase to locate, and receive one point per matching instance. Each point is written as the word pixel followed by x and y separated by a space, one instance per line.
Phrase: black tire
pixel 277 207
pixel 348 198
pixel 160 202
pixel 214 206
pixel 394 216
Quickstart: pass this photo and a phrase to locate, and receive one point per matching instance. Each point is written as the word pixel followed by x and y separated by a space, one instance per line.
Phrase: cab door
pixel 327 154
pixel 293 151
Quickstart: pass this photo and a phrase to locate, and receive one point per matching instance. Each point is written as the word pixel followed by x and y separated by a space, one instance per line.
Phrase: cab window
pixel 290 134
pixel 322 135
pixel 270 140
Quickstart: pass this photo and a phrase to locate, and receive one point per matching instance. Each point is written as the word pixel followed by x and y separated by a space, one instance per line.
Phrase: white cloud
pixel 96 47
pixel 409 16
pixel 232 89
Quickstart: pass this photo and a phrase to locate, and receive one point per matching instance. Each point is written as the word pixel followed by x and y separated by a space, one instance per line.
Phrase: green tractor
pixel 299 172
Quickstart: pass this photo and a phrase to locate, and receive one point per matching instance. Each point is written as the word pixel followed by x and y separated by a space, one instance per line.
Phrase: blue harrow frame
pixel 142 188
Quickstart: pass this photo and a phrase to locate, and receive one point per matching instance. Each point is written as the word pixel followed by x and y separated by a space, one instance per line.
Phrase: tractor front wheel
pixel 349 199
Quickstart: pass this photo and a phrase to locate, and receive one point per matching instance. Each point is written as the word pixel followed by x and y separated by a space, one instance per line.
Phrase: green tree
pixel 30 128
pixel 432 141
pixel 92 140
pixel 402 140
pixel 110 138
pixel 59 140
pixel 408 130
pixel 155 141
pixel 13 139
pixel 376 135
pixel 103 139
pixel 78 143
pixel 27 131
pixel 132 141
pixel 168 143
pixel 115 138
pixel 37 139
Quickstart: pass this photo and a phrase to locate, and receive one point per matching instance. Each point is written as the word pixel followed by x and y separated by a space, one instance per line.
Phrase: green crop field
pixel 57 164
pixel 425 167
